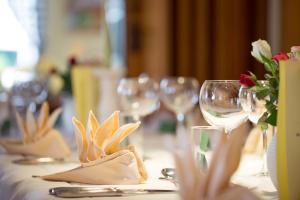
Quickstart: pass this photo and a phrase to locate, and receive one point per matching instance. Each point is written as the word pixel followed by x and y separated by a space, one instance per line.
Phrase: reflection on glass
pixel 220 104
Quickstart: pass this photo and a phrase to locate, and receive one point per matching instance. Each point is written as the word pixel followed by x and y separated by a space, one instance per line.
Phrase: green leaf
pixel 204 141
pixel 268 76
pixel 263 125
pixel 253 76
pixel 270 106
pixel 272 118
pixel 261 92
pixel 270 65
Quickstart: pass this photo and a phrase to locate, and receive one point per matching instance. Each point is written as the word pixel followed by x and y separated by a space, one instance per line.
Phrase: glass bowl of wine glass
pixel 220 104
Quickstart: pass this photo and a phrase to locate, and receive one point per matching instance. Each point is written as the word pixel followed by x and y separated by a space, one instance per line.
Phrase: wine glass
pixel 179 94
pixel 28 94
pixel 138 98
pixel 220 104
pixel 25 95
pixel 255 108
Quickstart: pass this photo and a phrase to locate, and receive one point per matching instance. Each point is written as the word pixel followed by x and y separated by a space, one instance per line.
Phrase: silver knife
pixel 71 192
pixel 38 160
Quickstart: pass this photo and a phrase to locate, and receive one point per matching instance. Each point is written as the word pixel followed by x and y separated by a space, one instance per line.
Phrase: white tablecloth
pixel 16 181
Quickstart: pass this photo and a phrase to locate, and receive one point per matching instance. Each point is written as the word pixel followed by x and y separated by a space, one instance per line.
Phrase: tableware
pixel 38 161
pixel 28 94
pixel 180 95
pixel 73 192
pixel 205 140
pixel 138 97
pixel 220 104
pixel 168 173
pixel 255 108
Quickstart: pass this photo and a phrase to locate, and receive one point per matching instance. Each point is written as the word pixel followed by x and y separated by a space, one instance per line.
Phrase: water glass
pixel 205 140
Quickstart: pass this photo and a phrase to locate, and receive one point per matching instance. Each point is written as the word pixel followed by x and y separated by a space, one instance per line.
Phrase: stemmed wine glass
pixel 180 95
pixel 138 98
pixel 220 104
pixel 255 108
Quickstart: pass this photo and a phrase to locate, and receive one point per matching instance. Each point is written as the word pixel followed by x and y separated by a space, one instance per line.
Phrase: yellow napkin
pixel 38 136
pixel 102 159
pixel 215 184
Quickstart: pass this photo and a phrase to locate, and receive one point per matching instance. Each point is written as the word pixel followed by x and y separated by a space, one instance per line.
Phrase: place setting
pixel 172 100
pixel 108 158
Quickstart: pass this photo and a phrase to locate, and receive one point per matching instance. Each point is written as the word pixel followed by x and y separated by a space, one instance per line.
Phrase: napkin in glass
pixel 103 160
pixel 215 183
pixel 39 138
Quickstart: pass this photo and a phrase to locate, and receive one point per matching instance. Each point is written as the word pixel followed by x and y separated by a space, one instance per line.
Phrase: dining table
pixel 24 182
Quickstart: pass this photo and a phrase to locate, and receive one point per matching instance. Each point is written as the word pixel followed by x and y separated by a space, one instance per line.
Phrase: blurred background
pixel 205 39
pixel 209 39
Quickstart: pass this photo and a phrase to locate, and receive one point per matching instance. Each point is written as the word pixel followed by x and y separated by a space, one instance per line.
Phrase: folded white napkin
pixel 102 159
pixel 215 184
pixel 39 138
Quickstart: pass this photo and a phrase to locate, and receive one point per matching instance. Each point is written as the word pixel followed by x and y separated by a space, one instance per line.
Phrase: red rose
pixel 280 56
pixel 246 80
pixel 72 61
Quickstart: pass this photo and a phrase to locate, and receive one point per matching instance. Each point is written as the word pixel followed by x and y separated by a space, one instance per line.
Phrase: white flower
pixel 295 52
pixel 295 49
pixel 261 47
pixel 55 84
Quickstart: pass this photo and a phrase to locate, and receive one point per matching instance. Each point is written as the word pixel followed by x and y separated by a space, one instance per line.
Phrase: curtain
pixel 207 39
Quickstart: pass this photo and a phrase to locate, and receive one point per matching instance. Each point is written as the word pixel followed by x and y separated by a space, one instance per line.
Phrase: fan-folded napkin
pixel 39 138
pixel 215 183
pixel 103 160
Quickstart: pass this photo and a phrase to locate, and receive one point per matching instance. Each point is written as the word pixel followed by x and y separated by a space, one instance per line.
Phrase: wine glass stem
pixel 264 169
pixel 180 123
pixel 136 118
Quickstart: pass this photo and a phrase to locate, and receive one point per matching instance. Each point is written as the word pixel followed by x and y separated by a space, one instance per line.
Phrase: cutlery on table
pixel 71 192
pixel 168 173
pixel 38 160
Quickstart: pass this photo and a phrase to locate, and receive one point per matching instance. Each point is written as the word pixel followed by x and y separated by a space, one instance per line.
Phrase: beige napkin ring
pixel 103 161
